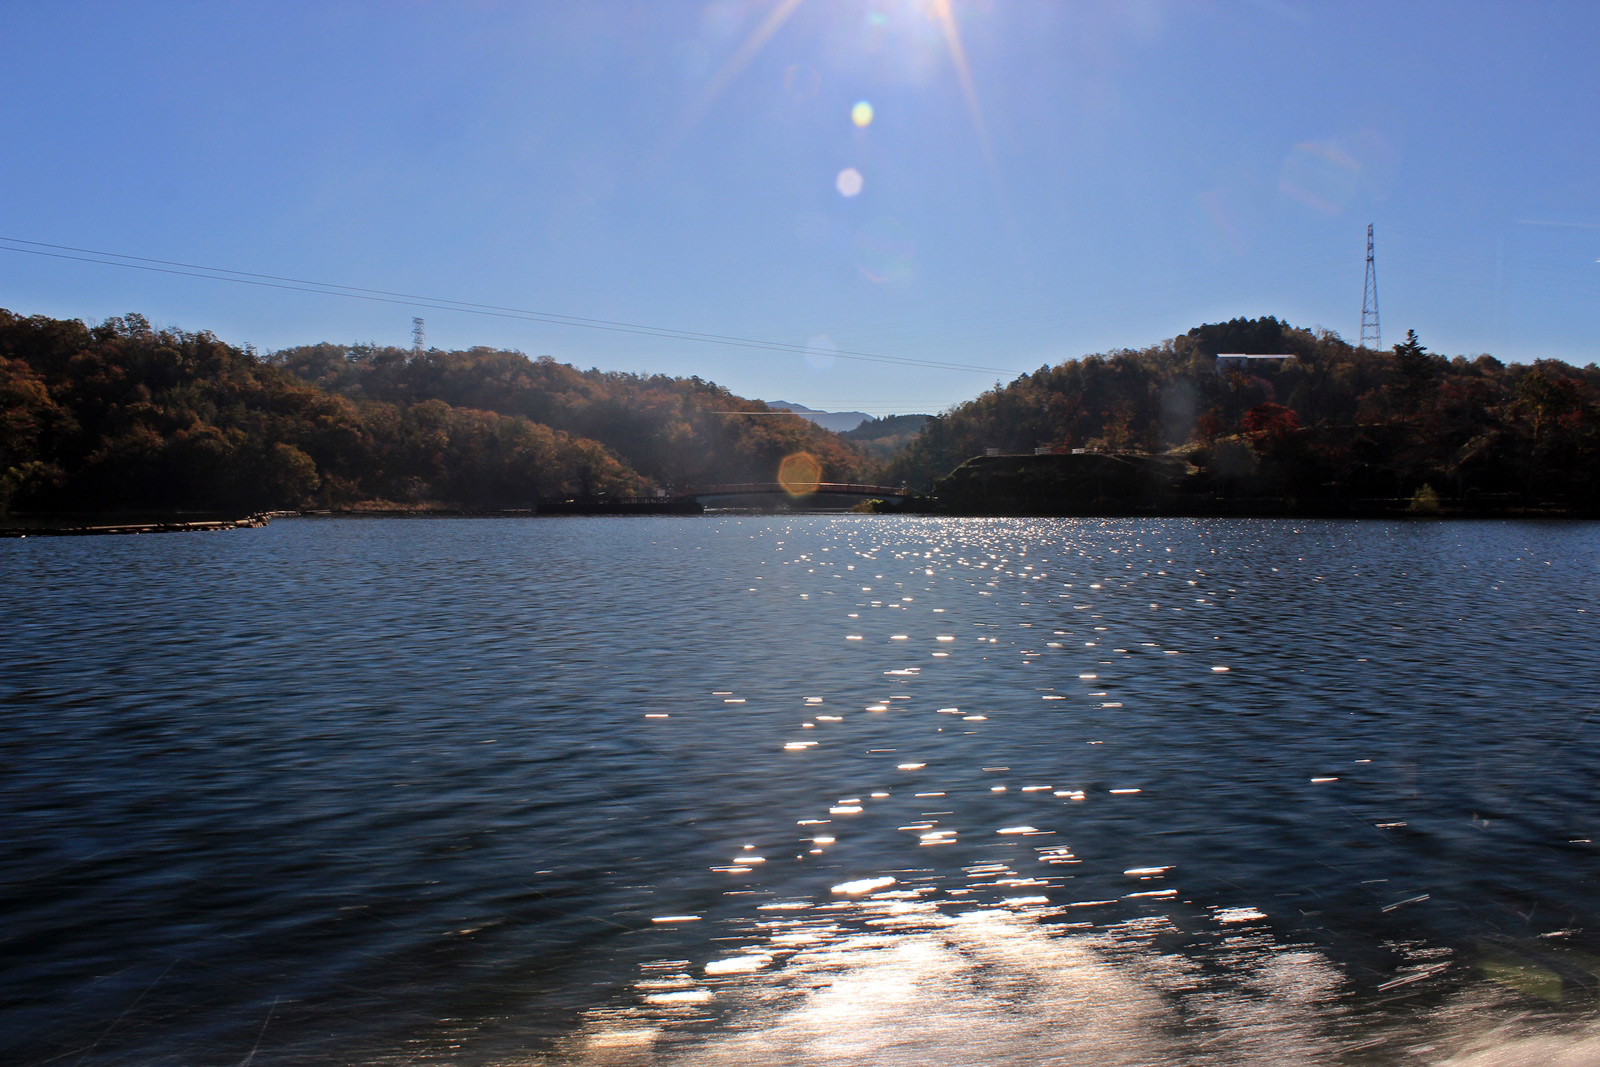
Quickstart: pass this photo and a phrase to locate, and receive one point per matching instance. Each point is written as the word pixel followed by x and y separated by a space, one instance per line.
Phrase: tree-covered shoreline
pixel 121 416
pixel 1331 422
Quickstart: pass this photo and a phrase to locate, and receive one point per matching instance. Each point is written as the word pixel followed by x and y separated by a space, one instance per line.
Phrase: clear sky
pixel 1031 181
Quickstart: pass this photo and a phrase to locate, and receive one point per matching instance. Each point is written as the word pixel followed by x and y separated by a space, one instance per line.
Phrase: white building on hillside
pixel 1238 361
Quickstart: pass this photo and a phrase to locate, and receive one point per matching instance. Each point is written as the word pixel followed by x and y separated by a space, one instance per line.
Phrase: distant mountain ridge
pixel 883 438
pixel 890 426
pixel 837 421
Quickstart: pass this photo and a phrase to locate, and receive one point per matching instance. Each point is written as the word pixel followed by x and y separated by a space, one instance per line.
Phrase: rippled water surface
pixel 802 790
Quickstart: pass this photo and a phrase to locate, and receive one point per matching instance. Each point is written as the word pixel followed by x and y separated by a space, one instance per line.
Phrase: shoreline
pixel 42 526
pixel 51 526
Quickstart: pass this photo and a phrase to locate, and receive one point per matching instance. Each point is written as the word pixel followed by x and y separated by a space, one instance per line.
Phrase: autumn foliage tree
pixel 121 415
pixel 673 431
pixel 1327 419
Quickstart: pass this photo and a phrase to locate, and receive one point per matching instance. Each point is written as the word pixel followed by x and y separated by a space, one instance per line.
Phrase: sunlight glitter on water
pixel 1049 924
pixel 983 987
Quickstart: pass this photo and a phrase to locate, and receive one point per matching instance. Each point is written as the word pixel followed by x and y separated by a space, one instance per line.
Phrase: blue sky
pixel 1037 180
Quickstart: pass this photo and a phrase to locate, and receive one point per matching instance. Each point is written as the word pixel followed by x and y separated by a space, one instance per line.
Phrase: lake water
pixel 802 790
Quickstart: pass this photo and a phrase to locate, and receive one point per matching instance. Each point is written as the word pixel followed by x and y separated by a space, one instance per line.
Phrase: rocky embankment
pixel 1108 483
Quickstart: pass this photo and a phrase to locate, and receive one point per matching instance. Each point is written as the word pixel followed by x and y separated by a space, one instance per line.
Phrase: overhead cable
pixel 384 296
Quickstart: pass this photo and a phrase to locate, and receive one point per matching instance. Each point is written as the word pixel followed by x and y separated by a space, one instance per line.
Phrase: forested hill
pixel 882 438
pixel 672 431
pixel 120 415
pixel 1332 419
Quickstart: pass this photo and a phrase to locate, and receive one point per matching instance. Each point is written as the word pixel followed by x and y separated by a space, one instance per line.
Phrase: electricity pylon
pixel 1369 301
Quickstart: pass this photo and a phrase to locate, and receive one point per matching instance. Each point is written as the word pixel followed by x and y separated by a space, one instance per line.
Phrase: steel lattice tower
pixel 416 324
pixel 1369 301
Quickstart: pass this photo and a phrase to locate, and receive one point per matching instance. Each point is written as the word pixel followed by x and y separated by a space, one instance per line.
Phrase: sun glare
pixel 799 474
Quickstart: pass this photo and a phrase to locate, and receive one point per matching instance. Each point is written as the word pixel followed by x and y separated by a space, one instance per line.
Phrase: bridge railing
pixel 852 488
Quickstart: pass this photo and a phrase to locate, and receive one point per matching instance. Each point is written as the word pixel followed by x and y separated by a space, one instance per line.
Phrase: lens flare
pixel 802 81
pixel 1323 175
pixel 848 182
pixel 861 114
pixel 941 10
pixel 884 251
pixel 799 474
pixel 820 352
pixel 718 82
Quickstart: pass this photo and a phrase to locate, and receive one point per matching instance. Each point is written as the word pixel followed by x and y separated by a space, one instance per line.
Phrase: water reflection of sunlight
pixel 983 942
pixel 989 986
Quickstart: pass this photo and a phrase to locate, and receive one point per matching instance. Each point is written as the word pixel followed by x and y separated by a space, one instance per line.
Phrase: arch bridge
pixel 735 491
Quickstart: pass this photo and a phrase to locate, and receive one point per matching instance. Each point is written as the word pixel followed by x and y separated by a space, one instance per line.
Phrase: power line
pixel 384 296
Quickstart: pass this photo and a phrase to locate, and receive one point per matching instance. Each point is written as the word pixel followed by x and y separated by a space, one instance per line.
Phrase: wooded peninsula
pixel 121 416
